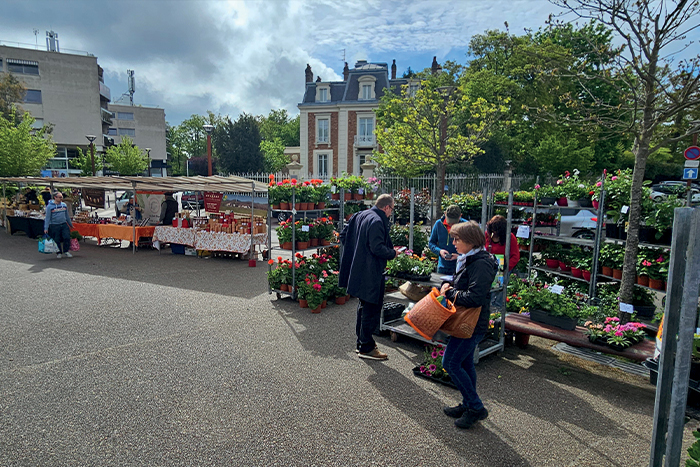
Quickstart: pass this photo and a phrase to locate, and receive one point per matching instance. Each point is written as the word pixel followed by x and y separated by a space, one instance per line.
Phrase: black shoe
pixel 470 417
pixel 455 412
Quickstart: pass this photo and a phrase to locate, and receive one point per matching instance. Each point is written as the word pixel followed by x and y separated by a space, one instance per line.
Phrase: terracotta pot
pixel 348 196
pixel 552 263
pixel 286 246
pixel 324 304
pixel 522 340
pixel 564 267
pixel 335 196
pixel 596 204
pixel 347 297
pixel 607 271
pixel 313 242
pixel 297 206
pixel 321 205
pixel 284 288
pixel 643 280
pixel 617 273
pixel 317 309
pixel 656 284
pixel 562 201
pixel 284 206
pixel 309 206
pixel 303 303
pixel 357 196
pixel 325 242
pixel 369 195
pixel 586 275
pixel 340 301
pixel 302 245
pixel 276 206
pixel 576 272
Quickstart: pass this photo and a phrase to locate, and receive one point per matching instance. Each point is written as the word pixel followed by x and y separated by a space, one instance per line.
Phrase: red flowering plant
pixel 311 290
pixel 324 228
pixel 284 232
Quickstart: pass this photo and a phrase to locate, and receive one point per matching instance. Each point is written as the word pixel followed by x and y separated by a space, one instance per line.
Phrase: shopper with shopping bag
pixel 469 290
pixel 58 224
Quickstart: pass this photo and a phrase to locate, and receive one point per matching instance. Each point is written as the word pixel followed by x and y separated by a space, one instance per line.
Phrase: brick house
pixel 337 118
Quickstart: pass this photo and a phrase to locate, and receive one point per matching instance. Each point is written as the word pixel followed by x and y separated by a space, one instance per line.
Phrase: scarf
pixel 463 258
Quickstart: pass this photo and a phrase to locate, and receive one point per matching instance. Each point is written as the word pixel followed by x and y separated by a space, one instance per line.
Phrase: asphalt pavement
pixel 119 359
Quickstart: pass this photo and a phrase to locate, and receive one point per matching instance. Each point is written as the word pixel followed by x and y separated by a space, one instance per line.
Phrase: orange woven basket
pixel 428 315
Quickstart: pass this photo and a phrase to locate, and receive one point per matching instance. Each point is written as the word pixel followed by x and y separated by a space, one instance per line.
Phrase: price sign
pixel 626 308
pixel 304 228
pixel 523 231
pixel 557 289
pixel 360 191
pixel 624 209
pixel 333 189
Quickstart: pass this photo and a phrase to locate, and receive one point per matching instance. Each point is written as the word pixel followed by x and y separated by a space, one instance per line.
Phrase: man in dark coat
pixel 366 249
pixel 168 209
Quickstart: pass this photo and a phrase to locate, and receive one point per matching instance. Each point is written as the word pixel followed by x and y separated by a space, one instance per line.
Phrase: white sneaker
pixel 67 255
pixel 58 256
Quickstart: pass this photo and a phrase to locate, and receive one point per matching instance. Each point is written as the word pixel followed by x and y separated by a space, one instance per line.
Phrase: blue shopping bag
pixel 47 245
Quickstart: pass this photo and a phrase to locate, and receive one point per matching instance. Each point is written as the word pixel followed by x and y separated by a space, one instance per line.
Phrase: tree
pixel 278 131
pixel 24 150
pixel 238 145
pixel 84 163
pixel 11 92
pixel 274 158
pixel 189 138
pixel 432 128
pixel 126 159
pixel 653 93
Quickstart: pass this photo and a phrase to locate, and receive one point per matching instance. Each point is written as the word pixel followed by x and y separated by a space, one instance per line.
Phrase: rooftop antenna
pixel 52 41
pixel 36 37
pixel 343 60
pixel 132 85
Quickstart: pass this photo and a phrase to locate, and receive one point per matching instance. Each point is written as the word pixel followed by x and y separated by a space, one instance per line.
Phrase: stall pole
pixel 252 217
pixel 4 204
pixel 411 220
pixel 294 245
pixel 133 220
pixel 532 230
pixel 484 207
pixel 506 266
pixel 596 246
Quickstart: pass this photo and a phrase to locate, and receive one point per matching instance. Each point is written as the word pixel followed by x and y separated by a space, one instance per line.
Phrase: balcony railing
pixel 107 116
pixel 365 141
pixel 105 92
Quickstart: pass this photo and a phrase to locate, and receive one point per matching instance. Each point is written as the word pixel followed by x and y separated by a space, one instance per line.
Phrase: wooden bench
pixel 521 324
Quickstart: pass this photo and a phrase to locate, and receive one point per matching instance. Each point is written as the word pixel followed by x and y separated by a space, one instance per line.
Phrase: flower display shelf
pixel 568 275
pixel 447 381
pixel 638 285
pixel 563 322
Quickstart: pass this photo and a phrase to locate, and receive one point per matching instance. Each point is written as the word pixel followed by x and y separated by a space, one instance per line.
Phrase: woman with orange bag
pixel 476 270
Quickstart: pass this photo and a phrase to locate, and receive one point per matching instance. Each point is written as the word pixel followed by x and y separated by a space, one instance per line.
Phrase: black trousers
pixel 368 315
pixel 61 235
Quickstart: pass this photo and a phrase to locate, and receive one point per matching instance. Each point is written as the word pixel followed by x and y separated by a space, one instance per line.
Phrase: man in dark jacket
pixel 366 249
pixel 168 209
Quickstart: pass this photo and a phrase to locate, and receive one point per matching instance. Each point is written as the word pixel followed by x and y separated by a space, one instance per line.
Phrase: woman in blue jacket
pixel 440 242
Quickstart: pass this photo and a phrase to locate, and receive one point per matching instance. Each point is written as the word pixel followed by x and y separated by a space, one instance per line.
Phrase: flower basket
pixel 325 242
pixel 563 322
pixel 562 201
pixel 358 196
pixel 572 203
pixel 428 315
pixel 547 201
pixel 576 272
pixel 348 197
pixel 313 242
pixel 284 206
pixel 284 288
pixel 585 202
pixel 275 206
pixel 643 280
pixel 369 195
pixel 321 205
pixel 446 380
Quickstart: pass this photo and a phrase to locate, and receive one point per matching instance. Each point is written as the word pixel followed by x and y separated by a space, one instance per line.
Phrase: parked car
pixel 122 200
pixel 190 200
pixel 661 191
pixel 578 223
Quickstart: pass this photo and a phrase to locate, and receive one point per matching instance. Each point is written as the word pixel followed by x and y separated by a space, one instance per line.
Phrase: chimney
pixel 346 72
pixel 393 70
pixel 309 74
pixel 435 66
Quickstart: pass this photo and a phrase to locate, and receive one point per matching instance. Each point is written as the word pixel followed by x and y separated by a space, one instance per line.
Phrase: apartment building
pixel 337 118
pixel 67 90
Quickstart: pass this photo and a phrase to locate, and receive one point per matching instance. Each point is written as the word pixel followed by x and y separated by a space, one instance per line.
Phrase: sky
pixel 230 57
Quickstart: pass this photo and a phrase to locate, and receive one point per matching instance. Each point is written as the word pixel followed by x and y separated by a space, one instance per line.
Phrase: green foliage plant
pixel 24 150
pixel 126 158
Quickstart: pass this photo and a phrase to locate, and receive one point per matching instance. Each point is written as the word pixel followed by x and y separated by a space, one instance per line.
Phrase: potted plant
pixel 311 290
pixel 301 234
pixel 658 272
pixel 551 255
pixel 284 235
pixel 320 193
pixel 500 197
pixel 550 308
pixel 547 194
pixel 274 276
pixel 373 185
pixel 605 257
pixel 573 188
pixel 431 368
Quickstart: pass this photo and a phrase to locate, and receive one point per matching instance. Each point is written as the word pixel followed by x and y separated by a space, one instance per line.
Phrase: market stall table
pixel 233 242
pixel 118 232
pixel 178 235
pixel 32 226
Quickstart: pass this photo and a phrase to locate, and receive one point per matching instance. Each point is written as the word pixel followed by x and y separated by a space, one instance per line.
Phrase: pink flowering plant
pixel 311 290
pixel 432 363
pixel 613 333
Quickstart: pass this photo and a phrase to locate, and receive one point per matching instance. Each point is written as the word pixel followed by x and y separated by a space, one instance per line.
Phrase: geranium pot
pixel 324 304
pixel 617 273
pixel 303 303
pixel 576 272
pixel 586 275
pixel 275 206
pixel 552 263
pixel 284 206
pixel 607 271
pixel 562 201
pixel 325 242
pixel 348 196
pixel 335 196
pixel 563 322
pixel 286 246
pixel 317 309
pixel 313 242
pixel 656 284
pixel 643 280
pixel 302 245
pixel 596 204
pixel 564 267
pixel 297 206
pixel 548 200
pixel 321 205
pixel 340 300
pixel 369 195
pixel 284 288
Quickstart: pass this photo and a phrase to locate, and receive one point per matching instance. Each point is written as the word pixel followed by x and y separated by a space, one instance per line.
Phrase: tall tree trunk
pixel 440 188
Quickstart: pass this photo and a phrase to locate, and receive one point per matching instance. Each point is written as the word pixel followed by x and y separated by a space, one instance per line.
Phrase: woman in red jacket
pixel 496 240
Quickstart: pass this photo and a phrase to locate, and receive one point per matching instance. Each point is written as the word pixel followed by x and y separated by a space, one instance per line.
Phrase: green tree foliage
pixel 24 150
pixel 189 138
pixel 126 158
pixel 11 92
pixel 274 158
pixel 84 163
pixel 277 131
pixel 238 145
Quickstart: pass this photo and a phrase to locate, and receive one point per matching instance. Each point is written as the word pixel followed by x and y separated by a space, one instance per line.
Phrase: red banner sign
pixel 212 201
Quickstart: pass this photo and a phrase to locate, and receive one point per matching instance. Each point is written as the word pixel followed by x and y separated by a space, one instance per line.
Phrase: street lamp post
pixel 92 138
pixel 148 155
pixel 187 155
pixel 209 129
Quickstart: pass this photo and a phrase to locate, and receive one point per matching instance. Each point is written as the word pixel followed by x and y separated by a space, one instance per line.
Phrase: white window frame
pixel 364 81
pixel 413 86
pixel 319 88
pixel 329 166
pixel 321 173
pixel 319 119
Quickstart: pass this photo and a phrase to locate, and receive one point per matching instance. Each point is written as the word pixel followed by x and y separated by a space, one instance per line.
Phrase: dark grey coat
pixel 366 249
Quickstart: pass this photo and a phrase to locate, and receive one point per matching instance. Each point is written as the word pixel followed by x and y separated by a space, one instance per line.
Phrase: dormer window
pixel 323 92
pixel 366 88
